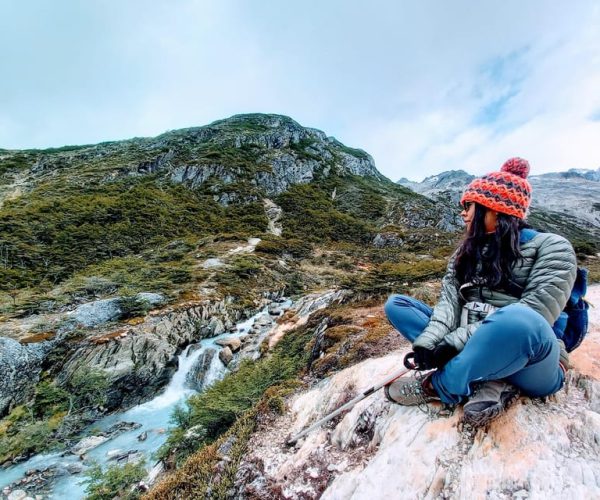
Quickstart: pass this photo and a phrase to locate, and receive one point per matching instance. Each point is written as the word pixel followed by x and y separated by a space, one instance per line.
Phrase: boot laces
pixel 444 411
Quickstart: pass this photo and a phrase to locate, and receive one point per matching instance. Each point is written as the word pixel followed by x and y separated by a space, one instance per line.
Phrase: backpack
pixel 572 323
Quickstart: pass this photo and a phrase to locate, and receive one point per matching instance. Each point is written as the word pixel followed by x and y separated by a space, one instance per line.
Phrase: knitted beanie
pixel 507 191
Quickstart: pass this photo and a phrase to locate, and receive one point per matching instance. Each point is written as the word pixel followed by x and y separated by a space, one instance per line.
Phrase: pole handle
pixel 411 365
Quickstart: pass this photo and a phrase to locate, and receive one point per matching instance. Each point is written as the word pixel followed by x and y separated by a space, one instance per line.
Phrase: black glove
pixel 442 354
pixel 424 358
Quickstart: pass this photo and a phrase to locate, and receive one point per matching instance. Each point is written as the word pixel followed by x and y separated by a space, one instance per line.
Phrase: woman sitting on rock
pixel 490 334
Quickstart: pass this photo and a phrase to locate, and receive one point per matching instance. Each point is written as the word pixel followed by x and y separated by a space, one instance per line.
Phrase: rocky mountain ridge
pixel 574 195
pixel 276 152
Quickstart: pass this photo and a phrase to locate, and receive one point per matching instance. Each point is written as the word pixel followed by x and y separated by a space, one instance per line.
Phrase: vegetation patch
pixel 388 277
pixel 205 474
pixel 116 481
pixel 55 412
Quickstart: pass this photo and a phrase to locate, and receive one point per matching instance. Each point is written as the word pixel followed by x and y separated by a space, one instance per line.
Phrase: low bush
pixel 117 481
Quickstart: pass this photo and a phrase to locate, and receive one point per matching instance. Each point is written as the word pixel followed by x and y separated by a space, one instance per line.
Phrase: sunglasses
pixel 467 205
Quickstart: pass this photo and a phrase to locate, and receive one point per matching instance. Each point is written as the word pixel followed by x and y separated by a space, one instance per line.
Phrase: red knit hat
pixel 506 191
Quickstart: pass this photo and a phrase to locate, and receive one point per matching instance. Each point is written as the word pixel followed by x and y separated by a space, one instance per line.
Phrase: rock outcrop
pixel 293 154
pixel 538 449
pixel 102 311
pixel 197 375
pixel 138 359
pixel 20 368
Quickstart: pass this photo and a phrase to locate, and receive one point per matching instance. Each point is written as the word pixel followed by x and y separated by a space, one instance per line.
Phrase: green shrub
pixel 114 482
pixel 133 307
pixel 49 400
pixel 30 438
pixel 310 215
pixel 87 389
pixel 393 276
pixel 59 229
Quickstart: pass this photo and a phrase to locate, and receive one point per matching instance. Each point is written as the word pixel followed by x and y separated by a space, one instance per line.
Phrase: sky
pixel 423 86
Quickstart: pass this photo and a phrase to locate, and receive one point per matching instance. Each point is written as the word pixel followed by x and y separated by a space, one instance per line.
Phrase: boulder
pixel 225 355
pixel 97 312
pixel 121 427
pixel 20 368
pixel 115 454
pixel 87 444
pixel 233 343
pixel 17 495
pixel 216 326
pixel 262 321
pixel 153 299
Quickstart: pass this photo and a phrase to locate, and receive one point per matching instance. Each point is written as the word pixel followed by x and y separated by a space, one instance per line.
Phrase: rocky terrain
pixel 538 449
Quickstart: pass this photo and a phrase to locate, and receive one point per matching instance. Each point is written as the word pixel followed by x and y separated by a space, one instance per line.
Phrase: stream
pixel 147 424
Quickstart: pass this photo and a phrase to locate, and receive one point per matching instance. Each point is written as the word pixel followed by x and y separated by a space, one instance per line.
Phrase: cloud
pixel 537 101
pixel 423 87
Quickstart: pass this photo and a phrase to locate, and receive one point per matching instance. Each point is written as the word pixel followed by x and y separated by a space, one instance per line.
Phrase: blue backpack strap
pixel 527 234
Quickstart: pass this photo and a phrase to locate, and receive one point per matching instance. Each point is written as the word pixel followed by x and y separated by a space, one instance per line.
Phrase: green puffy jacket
pixel 546 274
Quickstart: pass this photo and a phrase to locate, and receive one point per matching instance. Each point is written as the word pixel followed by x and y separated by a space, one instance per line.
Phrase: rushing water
pixel 154 417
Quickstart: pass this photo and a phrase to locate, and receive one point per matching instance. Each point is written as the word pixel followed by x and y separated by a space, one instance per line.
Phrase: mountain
pixel 565 202
pixel 116 199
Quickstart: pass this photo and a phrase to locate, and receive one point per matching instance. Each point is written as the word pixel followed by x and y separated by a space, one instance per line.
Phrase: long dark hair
pixel 487 259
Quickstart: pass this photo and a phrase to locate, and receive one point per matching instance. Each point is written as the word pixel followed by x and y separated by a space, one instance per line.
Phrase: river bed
pixel 150 420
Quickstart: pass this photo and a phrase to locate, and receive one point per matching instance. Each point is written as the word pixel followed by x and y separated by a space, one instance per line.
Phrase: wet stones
pixel 91 442
pixel 233 343
pixel 226 355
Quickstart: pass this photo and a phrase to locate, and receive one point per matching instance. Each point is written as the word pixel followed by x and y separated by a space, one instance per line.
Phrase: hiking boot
pixel 411 391
pixel 488 401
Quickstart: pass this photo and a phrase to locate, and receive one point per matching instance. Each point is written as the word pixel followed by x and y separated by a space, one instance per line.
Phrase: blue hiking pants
pixel 514 343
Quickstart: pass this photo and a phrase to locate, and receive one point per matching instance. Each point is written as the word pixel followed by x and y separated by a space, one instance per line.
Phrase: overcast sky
pixel 423 86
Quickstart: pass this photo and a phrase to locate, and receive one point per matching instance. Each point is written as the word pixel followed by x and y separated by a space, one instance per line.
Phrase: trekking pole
pixel 350 404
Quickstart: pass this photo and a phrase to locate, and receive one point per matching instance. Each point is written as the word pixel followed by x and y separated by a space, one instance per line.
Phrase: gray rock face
pixel 142 358
pixel 383 240
pixel 294 154
pixel 102 311
pixel 97 312
pixel 417 215
pixel 20 367
pixel 153 299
